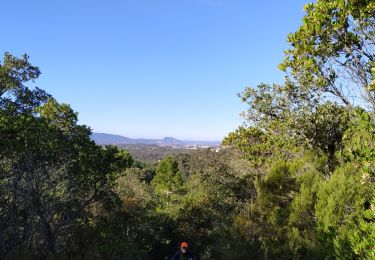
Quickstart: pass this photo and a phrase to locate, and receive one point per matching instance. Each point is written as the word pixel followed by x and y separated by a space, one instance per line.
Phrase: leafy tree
pixel 14 72
pixel 50 171
pixel 315 205
pixel 331 54
pixel 168 179
pixel 342 216
pixel 128 227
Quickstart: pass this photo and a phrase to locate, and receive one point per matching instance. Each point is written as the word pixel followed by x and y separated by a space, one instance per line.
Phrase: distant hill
pixel 103 139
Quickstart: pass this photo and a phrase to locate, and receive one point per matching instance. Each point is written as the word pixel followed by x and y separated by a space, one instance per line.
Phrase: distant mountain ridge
pixel 104 138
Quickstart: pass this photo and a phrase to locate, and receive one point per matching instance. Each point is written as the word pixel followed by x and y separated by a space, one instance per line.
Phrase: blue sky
pixel 152 68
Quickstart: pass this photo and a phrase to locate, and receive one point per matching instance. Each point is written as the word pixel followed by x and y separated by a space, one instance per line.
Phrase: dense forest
pixel 152 153
pixel 296 181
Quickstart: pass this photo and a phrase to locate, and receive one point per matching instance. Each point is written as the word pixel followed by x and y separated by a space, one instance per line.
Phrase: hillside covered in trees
pixel 296 181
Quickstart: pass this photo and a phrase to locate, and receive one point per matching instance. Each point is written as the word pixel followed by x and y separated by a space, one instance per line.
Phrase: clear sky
pixel 152 68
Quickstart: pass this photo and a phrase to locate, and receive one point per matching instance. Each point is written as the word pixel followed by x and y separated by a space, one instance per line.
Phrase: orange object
pixel 184 244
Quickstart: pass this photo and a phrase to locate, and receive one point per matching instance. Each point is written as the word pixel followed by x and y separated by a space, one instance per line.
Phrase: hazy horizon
pixel 159 137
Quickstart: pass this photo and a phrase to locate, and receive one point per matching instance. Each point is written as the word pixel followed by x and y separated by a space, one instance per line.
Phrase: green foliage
pixel 14 72
pixel 125 231
pixel 302 235
pixel 117 160
pixel 359 143
pixel 50 171
pixel 168 178
pixel 301 209
pixel 342 215
pixel 257 145
pixel 270 211
pixel 332 51
pixel 151 153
